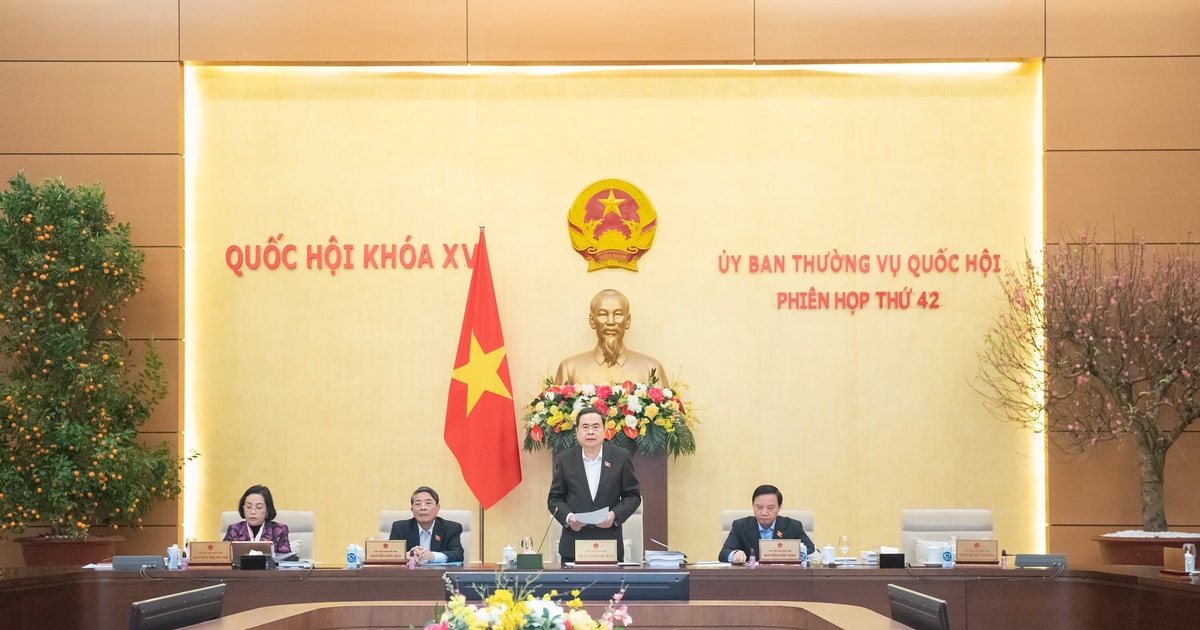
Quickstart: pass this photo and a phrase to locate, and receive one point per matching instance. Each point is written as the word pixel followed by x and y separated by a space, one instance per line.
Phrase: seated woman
pixel 258 508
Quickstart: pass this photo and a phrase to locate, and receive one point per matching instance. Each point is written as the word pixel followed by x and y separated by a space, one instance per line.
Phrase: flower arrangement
pixel 71 399
pixel 639 417
pixel 516 608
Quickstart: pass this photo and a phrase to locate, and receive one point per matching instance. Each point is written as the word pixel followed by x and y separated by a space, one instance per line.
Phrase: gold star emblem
pixel 612 204
pixel 481 373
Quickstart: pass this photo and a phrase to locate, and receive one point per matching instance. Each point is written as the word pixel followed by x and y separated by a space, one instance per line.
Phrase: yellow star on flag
pixel 481 373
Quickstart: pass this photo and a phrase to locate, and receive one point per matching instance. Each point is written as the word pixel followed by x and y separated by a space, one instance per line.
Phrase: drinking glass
pixel 844 544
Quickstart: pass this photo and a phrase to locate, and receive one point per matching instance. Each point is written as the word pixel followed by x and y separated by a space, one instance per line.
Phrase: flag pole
pixel 482 546
pixel 482 539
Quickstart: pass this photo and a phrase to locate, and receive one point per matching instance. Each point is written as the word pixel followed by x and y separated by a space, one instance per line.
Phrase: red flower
pixel 609 433
pixel 632 432
pixel 604 391
pixel 568 391
pixel 627 386
pixel 536 433
pixel 656 394
pixel 602 407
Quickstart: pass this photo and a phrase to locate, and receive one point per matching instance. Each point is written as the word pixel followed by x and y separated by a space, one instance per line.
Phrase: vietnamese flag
pixel 481 422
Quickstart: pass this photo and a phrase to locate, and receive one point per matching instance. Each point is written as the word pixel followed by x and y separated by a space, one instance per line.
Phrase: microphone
pixel 668 547
pixel 548 526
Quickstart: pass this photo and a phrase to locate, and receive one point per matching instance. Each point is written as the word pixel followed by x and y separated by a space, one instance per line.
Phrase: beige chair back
pixel 729 516
pixel 301 528
pixel 462 517
pixel 939 526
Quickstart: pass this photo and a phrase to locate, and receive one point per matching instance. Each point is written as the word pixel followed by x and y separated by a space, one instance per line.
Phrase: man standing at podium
pixel 590 477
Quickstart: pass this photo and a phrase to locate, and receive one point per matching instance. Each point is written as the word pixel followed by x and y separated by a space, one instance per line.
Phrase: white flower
pixel 588 389
pixel 667 393
pixel 579 403
pixel 631 422
pixel 549 396
pixel 634 404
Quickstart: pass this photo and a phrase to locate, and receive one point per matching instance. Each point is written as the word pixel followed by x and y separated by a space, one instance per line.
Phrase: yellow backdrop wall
pixel 331 387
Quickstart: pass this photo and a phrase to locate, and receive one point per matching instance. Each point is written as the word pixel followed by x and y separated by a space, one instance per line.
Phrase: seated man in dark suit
pixel 743 538
pixel 430 539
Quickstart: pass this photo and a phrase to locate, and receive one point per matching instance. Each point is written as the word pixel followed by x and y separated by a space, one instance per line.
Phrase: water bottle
pixel 947 557
pixel 361 555
pixel 1189 558
pixel 803 555
pixel 173 557
pixel 352 556
pixel 752 562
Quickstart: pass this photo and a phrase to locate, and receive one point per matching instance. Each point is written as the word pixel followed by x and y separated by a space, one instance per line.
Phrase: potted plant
pixel 1097 342
pixel 71 402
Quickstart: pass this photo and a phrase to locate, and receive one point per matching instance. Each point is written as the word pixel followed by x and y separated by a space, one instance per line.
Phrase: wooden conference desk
pixel 646 616
pixel 979 598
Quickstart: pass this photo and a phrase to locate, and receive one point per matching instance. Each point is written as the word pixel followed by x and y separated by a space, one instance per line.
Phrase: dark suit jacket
pixel 569 494
pixel 447 536
pixel 744 535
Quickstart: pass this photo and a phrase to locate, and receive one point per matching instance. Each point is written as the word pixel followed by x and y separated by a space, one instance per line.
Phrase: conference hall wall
pixel 330 384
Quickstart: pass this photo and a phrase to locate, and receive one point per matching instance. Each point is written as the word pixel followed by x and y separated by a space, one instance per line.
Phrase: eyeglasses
pixel 423 504
pixel 254 507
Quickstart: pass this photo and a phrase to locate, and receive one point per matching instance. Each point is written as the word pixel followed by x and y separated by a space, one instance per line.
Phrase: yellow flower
pixel 651 411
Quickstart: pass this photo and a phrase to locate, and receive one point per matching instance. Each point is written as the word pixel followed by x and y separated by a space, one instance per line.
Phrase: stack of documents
pixel 665 559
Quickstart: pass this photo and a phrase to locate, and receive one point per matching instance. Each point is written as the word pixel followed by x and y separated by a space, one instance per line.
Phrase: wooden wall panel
pixel 1128 103
pixel 811 30
pixel 1076 541
pixel 610 31
pixel 90 107
pixel 145 191
pixel 86 30
pixel 321 32
pixel 157 311
pixel 1155 192
pixel 1102 488
pixel 1120 28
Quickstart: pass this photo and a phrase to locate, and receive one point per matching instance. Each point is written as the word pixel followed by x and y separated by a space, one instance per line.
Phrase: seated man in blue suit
pixel 743 538
pixel 429 538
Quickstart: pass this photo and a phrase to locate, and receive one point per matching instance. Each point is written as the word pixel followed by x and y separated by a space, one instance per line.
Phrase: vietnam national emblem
pixel 611 224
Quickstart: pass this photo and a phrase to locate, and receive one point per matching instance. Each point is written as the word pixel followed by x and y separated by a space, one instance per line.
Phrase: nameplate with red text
pixel 385 552
pixel 595 552
pixel 779 551
pixel 210 553
pixel 981 551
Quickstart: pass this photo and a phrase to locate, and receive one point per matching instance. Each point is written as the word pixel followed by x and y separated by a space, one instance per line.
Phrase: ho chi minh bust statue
pixel 610 361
